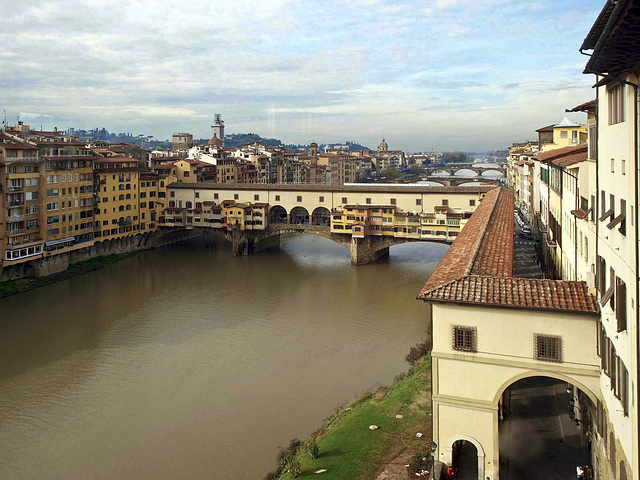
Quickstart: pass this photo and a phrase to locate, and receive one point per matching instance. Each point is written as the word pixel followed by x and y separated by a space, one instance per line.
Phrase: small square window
pixel 418 201
pixel 548 348
pixel 256 198
pixel 368 201
pixel 299 198
pixel 445 202
pixel 393 201
pixel 277 198
pixel 465 339
pixel 472 203
pixel 197 194
pixel 321 199
pixel 344 199
pixel 172 193
pixel 235 196
pixel 215 196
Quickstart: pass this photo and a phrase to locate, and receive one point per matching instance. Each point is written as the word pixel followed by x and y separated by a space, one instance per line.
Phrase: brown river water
pixel 187 363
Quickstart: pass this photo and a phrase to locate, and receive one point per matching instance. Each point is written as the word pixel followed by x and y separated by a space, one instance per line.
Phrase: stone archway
pixel 458 438
pixel 321 216
pixel 299 216
pixel 278 214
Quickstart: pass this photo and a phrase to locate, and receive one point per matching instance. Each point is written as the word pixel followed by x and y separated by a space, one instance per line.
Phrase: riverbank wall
pixel 53 263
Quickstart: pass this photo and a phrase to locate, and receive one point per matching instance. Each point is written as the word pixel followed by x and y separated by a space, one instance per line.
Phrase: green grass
pixel 13 287
pixel 350 450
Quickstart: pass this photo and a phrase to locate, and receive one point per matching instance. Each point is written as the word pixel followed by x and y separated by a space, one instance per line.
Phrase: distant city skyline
pixel 437 74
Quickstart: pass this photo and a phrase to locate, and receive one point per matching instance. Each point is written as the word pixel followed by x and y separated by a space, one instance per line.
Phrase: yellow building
pixel 68 203
pixel 21 191
pixel 563 134
pixel 117 188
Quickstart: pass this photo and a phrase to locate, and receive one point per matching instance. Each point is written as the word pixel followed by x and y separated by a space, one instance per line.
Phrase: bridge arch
pixel 299 216
pixel 321 216
pixel 278 214
pixel 492 173
pixel 464 172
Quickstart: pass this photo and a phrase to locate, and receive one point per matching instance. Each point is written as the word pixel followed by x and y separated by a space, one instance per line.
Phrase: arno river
pixel 187 363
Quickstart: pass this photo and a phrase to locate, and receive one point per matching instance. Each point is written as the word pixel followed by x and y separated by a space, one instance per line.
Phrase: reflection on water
pixel 185 362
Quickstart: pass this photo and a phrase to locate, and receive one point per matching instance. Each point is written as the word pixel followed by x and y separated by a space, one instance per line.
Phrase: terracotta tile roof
pixel 565 156
pixel 477 268
pixel 583 107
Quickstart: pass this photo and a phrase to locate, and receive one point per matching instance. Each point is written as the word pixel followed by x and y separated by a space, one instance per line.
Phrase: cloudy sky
pixel 432 74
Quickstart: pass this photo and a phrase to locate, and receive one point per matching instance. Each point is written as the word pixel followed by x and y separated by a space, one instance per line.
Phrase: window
pixel 418 201
pixel 321 199
pixel 368 201
pixel 621 304
pixel 464 339
pixel 173 194
pixel 277 198
pixel 472 203
pixel 256 198
pixel 445 202
pixel 613 166
pixel 564 134
pixel 548 348
pixel 393 201
pixel 623 167
pixel 344 199
pixel 616 104
pixel 215 196
pixel 235 196
pixel 197 194
pixel 299 198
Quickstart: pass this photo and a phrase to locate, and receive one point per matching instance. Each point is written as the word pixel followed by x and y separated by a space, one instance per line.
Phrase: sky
pixel 468 75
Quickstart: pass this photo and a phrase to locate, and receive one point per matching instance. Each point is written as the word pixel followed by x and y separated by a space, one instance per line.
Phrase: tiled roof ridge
pixel 480 239
pixel 513 292
pixel 561 152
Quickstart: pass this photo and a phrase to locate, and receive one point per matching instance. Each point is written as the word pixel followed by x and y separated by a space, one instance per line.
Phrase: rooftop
pixel 478 267
pixel 565 156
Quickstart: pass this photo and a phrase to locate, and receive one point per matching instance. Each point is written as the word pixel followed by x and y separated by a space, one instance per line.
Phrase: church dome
pixel 215 142
pixel 383 147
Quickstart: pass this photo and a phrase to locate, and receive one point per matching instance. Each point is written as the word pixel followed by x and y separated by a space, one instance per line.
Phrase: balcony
pixel 23 159
pixel 15 218
pixel 13 242
pixel 16 203
pixel 17 231
pixel 16 188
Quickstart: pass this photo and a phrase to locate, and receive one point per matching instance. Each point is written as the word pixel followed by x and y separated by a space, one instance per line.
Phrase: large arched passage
pixel 277 214
pixel 542 430
pixel 299 216
pixel 321 216
pixel 465 172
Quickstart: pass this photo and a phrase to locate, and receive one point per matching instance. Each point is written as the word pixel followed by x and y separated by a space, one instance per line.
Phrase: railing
pixel 15 188
pixel 16 203
pixel 16 232
pixel 23 159
pixel 22 242
pixel 15 218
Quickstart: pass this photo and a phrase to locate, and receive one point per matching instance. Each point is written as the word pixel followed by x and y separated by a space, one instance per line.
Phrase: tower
pixel 217 129
pixel 313 149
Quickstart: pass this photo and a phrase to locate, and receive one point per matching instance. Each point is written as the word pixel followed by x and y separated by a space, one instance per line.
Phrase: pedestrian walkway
pixel 526 257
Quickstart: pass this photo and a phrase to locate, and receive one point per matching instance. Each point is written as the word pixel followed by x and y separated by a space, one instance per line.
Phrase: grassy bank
pixel 348 449
pixel 13 287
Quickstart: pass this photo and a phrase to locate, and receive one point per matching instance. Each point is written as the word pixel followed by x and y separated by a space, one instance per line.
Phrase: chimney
pixel 55 129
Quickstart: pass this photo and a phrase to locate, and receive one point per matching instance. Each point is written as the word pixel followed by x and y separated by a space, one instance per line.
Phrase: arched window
pixel 128 207
pixel 121 177
pixel 121 208
pixel 121 187
pixel 189 205
pixel 128 196
pixel 128 186
pixel 162 184
pixel 120 197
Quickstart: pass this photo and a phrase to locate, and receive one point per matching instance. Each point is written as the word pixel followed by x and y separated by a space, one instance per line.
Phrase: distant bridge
pixel 456 170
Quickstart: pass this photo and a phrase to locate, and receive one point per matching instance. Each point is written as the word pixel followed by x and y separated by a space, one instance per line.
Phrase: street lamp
pixel 434 447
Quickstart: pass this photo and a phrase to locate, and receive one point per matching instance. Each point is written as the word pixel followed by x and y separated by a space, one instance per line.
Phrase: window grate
pixel 548 348
pixel 465 339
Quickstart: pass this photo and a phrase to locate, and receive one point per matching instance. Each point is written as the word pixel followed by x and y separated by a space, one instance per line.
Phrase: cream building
pixel 615 61
pixel 481 346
